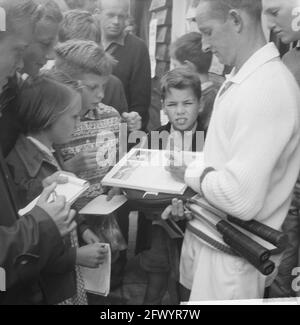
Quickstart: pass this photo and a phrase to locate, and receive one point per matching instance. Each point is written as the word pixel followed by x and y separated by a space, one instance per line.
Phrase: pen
pixel 54 196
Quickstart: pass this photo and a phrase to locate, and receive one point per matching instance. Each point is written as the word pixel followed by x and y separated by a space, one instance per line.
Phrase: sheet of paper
pixel 100 205
pixel 71 191
pixel 97 281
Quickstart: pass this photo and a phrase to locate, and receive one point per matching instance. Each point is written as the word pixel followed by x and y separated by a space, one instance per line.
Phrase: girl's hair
pixel 79 24
pixel 75 57
pixel 42 102
pixel 180 78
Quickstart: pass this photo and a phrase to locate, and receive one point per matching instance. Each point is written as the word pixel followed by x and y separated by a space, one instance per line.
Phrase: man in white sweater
pixel 251 157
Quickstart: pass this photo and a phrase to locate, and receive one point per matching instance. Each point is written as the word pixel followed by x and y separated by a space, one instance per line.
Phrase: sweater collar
pixel 258 59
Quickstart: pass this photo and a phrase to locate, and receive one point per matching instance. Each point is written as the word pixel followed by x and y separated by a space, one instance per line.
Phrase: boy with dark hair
pixel 181 98
pixel 187 51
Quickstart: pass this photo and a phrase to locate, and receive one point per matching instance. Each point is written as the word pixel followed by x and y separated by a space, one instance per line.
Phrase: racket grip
pixel 277 238
pixel 266 268
pixel 243 245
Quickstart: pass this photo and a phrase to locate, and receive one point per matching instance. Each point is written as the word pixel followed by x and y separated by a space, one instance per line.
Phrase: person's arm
pixel 140 85
pixel 265 132
pixel 28 246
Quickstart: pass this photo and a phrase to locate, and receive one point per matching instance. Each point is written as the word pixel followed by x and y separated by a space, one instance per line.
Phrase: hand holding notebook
pixel 71 190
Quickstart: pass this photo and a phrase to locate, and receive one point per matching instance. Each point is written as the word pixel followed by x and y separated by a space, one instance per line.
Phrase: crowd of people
pixel 73 73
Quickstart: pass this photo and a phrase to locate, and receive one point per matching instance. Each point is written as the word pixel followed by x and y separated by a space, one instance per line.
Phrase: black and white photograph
pixel 100 100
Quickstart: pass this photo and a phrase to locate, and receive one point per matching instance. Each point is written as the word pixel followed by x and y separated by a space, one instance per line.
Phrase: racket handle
pixel 242 244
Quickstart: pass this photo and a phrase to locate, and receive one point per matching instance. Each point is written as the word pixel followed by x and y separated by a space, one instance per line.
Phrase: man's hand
pixel 59 211
pixel 56 178
pixel 91 256
pixel 82 162
pixel 177 167
pixel 113 192
pixel 133 120
pixel 90 237
pixel 176 212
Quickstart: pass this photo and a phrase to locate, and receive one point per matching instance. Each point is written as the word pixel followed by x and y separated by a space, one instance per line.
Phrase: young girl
pixel 50 112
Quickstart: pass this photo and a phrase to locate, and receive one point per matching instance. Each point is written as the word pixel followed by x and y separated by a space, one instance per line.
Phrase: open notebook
pixel 97 281
pixel 71 191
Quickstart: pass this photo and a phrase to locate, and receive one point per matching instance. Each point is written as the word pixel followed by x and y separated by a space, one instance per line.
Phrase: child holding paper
pixel 181 98
pixel 92 149
pixel 50 111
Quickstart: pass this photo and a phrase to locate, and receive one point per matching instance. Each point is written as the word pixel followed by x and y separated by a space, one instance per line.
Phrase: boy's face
pixel 93 90
pixel 182 108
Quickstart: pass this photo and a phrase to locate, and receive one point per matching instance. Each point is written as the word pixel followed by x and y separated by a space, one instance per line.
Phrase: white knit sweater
pixel 253 142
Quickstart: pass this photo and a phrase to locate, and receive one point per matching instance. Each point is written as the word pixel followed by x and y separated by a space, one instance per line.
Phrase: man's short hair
pixel 180 78
pixel 189 48
pixel 50 10
pixel 79 24
pixel 222 7
pixel 78 56
pixel 17 13
pixel 127 2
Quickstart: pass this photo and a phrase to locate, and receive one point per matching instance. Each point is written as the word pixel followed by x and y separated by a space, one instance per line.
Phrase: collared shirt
pixel 109 46
pixel 253 142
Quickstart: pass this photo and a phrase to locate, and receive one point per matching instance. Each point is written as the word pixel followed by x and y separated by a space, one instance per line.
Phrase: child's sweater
pixel 99 129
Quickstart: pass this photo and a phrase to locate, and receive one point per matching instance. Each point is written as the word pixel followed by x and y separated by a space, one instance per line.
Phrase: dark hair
pixel 79 24
pixel 189 48
pixel 180 78
pixel 252 7
pixel 42 102
pixel 17 12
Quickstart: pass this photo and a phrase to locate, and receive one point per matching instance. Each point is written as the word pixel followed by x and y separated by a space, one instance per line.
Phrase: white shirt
pixel 253 142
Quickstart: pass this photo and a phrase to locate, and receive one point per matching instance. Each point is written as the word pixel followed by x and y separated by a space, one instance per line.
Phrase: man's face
pixel 38 52
pixel 218 35
pixel 93 90
pixel 12 47
pixel 113 17
pixel 280 17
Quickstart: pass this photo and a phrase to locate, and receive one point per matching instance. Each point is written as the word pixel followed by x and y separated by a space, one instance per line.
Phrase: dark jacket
pixel 196 141
pixel 114 95
pixel 133 69
pixel 29 167
pixel 29 245
pixel 10 126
